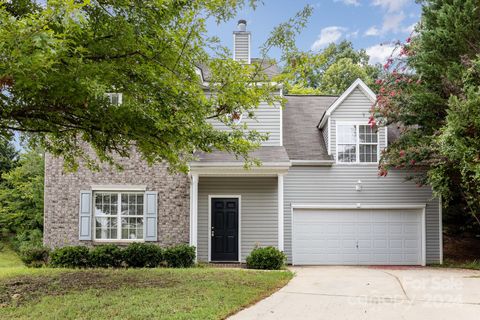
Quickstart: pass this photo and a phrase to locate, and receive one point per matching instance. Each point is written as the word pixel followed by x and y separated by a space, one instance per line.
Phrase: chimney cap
pixel 242 25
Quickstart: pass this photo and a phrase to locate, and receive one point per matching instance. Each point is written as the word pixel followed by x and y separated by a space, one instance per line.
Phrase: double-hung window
pixel 118 215
pixel 356 144
pixel 115 98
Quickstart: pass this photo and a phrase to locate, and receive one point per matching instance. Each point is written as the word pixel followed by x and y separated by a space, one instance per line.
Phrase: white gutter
pixel 312 162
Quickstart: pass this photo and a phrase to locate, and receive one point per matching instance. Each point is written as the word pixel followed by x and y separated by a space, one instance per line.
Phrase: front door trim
pixel 223 196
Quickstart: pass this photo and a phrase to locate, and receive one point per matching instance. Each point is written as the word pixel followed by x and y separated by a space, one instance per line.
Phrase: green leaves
pixel 21 197
pixel 58 61
pixel 330 71
pixel 436 105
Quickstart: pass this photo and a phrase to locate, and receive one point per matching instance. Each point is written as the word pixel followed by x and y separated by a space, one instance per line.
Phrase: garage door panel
pixel 357 236
pixel 380 228
pixel 364 228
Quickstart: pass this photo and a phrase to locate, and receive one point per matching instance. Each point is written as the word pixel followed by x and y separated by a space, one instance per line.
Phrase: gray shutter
pixel 85 217
pixel 150 216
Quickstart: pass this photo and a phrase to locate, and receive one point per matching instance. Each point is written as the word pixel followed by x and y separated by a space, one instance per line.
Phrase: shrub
pixel 269 258
pixel 106 256
pixel 34 256
pixel 142 255
pixel 70 257
pixel 27 238
pixel 181 256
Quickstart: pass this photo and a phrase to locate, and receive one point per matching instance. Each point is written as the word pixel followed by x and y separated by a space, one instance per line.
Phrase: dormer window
pixel 356 143
pixel 115 98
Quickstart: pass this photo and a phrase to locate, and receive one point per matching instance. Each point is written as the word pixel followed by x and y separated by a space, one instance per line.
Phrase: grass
pixel 450 263
pixel 8 258
pixel 196 293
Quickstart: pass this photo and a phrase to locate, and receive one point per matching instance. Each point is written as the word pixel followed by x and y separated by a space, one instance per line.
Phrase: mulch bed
pixel 461 248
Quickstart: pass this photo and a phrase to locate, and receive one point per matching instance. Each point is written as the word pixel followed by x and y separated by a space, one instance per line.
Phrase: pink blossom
pixel 402 153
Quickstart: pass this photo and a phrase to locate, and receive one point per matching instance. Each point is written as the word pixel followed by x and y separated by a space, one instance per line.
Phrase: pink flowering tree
pixel 429 99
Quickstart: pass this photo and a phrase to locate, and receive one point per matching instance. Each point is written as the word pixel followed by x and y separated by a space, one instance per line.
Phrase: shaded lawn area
pixel 461 251
pixel 8 258
pixel 197 293
pixel 449 263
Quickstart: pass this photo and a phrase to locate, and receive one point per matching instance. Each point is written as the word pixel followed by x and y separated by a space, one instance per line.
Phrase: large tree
pixel 8 156
pixel 329 71
pixel 58 60
pixel 433 96
pixel 21 199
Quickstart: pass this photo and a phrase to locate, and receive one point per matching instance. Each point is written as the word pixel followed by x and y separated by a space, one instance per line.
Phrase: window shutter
pixel 85 217
pixel 150 216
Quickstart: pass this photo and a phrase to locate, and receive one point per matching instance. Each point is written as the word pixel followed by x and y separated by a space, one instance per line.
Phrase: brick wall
pixel 62 196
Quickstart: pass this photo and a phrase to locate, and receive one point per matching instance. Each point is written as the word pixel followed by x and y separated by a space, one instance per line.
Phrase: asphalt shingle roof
pixel 269 67
pixel 276 154
pixel 301 137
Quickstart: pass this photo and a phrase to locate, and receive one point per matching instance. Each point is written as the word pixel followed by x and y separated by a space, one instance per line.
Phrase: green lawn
pixel 197 293
pixel 449 263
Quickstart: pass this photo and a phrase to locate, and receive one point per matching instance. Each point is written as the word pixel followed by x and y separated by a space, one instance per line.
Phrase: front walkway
pixel 372 293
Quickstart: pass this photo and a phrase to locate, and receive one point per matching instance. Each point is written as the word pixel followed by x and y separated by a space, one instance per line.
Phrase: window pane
pixel 368 153
pixel 132 228
pixel 132 204
pixel 347 153
pixel 347 134
pixel 105 203
pixel 105 228
pixel 367 134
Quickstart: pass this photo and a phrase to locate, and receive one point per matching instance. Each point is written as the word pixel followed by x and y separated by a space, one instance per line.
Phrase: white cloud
pixel 355 3
pixel 328 35
pixel 390 5
pixel 410 28
pixel 392 22
pixel 372 31
pixel 379 53
pixel 352 34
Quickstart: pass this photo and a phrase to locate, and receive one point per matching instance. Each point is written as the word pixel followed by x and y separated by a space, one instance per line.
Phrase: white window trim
pixel 239 197
pixel 119 188
pixel 357 144
pixel 118 215
pixel 119 95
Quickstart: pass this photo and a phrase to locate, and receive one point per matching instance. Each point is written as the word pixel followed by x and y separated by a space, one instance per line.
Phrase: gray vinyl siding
pixel 241 46
pixel 355 108
pixel 267 120
pixel 258 210
pixel 336 185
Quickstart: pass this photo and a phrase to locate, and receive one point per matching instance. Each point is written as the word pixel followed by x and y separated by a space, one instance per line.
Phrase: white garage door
pixel 357 236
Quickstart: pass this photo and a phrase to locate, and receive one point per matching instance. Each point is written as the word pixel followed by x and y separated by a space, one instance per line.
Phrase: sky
pixel 369 24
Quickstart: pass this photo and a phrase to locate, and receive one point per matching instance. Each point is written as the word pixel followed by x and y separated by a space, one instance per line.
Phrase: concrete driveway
pixel 373 293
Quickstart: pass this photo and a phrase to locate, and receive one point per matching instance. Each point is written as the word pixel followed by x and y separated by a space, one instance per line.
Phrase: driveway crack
pixel 399 282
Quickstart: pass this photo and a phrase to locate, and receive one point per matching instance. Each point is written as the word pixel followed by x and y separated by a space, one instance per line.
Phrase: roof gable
pixel 356 84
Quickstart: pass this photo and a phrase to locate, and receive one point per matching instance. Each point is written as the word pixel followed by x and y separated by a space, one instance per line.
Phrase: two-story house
pixel 317 195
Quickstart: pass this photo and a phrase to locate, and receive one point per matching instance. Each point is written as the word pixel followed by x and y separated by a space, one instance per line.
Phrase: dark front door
pixel 224 231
